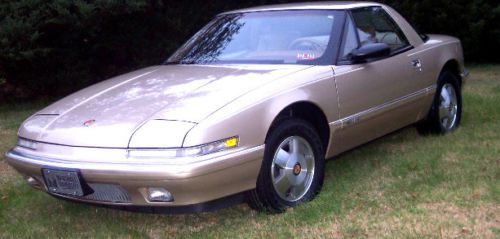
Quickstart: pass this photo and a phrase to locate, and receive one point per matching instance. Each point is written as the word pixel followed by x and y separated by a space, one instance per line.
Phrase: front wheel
pixel 446 110
pixel 293 167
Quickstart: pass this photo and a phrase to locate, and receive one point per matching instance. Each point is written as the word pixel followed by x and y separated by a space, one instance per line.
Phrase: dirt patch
pixel 451 157
pixel 329 229
pixel 7 175
pixel 6 170
pixel 477 222
pixel 3 167
pixel 396 148
pixel 434 220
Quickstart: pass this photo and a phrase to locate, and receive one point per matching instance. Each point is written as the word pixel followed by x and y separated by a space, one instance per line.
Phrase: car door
pixel 375 97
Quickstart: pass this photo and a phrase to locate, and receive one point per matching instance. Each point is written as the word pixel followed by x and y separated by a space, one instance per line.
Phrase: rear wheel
pixel 292 170
pixel 446 110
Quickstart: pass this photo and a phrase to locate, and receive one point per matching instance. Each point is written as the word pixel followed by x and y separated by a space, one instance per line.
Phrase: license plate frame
pixel 63 181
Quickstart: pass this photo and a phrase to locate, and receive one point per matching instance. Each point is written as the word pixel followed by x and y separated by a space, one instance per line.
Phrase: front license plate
pixel 63 182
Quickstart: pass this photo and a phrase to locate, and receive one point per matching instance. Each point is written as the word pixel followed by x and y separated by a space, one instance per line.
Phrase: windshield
pixel 275 37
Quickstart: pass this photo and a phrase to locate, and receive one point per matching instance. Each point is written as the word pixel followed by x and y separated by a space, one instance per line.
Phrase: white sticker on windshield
pixel 306 56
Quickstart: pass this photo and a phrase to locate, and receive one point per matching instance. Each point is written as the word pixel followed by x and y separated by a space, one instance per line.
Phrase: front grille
pixel 106 193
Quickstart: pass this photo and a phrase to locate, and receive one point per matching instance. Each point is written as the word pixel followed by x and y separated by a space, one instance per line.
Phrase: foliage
pixel 475 22
pixel 53 47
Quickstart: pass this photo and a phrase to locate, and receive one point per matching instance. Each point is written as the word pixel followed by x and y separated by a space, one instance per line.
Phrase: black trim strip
pixel 213 205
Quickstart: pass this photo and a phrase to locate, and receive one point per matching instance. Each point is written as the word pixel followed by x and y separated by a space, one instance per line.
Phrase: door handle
pixel 417 64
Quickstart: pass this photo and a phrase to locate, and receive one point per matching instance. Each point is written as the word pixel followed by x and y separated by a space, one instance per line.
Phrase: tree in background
pixel 53 47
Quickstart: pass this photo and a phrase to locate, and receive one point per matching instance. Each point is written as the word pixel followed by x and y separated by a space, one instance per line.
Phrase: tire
pixel 446 110
pixel 292 170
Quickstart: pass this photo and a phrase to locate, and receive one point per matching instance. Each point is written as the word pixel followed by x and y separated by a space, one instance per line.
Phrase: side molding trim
pixel 380 109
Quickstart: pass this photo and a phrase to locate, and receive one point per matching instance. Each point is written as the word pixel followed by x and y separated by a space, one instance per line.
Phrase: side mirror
pixel 370 51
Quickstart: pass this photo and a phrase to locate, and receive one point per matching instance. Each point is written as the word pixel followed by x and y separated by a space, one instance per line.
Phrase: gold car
pixel 248 108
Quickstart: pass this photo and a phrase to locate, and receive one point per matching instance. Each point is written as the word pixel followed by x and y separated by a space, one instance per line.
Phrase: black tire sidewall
pixel 435 123
pixel 290 127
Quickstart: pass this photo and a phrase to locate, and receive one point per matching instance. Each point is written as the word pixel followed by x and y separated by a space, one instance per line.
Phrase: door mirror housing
pixel 370 51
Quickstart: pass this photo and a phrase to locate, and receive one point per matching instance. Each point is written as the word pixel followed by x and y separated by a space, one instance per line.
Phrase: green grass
pixel 401 186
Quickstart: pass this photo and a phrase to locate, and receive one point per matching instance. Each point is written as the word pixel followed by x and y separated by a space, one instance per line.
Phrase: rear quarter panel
pixel 435 53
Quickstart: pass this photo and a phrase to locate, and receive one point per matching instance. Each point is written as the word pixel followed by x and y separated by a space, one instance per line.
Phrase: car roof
pixel 307 6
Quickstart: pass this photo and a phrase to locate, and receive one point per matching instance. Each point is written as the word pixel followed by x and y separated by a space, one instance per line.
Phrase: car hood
pixel 108 113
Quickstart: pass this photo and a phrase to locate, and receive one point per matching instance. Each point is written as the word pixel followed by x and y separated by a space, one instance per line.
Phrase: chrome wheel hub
pixel 292 170
pixel 448 107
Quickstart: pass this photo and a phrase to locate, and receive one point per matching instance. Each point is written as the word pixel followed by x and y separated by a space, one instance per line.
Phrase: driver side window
pixel 372 25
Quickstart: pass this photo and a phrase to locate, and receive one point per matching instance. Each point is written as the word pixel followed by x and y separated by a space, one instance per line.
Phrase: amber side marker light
pixel 231 142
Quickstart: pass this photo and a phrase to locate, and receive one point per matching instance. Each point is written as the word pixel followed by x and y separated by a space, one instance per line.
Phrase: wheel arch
pixel 308 111
pixel 453 66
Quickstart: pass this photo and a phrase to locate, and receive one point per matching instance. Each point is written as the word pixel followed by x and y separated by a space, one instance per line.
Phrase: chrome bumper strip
pixel 136 167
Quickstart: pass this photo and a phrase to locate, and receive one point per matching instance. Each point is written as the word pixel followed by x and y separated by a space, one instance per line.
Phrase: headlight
pixel 185 152
pixel 160 134
pixel 26 143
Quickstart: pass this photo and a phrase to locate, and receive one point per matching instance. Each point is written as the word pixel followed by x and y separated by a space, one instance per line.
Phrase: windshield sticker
pixel 306 56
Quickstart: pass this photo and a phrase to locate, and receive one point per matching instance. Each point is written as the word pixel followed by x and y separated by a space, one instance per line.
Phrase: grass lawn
pixel 401 186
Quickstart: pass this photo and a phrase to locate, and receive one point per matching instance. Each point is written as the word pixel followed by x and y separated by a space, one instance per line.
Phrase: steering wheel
pixel 305 45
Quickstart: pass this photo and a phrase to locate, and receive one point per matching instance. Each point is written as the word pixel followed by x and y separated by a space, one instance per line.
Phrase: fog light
pixel 32 182
pixel 159 195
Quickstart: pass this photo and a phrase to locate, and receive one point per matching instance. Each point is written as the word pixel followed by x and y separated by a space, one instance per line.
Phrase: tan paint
pixel 208 103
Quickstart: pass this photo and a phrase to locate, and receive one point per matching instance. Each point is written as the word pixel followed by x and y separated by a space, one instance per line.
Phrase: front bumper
pixel 124 182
